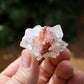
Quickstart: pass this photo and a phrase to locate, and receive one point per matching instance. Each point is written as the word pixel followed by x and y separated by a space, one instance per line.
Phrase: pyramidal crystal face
pixel 44 41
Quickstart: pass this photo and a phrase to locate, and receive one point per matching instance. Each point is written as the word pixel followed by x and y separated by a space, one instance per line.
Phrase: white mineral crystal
pixel 44 41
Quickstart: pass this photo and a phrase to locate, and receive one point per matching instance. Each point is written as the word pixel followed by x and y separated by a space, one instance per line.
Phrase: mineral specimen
pixel 44 41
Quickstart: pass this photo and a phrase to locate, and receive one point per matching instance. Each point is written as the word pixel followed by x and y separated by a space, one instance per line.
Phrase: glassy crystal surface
pixel 44 41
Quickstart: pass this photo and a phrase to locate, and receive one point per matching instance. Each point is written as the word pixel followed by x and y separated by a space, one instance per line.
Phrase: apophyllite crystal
pixel 44 41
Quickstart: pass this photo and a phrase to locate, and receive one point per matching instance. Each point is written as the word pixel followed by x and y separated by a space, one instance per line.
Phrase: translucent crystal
pixel 44 41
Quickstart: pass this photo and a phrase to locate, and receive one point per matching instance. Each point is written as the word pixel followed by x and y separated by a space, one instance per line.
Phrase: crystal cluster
pixel 44 41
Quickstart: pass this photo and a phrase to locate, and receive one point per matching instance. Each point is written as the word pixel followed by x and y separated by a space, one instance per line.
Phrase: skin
pixel 26 70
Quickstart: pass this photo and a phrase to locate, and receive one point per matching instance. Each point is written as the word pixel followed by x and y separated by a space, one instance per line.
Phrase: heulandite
pixel 44 41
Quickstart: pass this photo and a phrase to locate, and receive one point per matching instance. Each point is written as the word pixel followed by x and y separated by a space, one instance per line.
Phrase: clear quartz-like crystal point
pixel 44 41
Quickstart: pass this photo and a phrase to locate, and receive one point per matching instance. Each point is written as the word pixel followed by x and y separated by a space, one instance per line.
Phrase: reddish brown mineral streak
pixel 42 33
pixel 45 47
pixel 44 29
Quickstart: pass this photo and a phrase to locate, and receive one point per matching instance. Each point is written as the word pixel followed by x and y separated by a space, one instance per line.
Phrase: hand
pixel 25 70
pixel 59 71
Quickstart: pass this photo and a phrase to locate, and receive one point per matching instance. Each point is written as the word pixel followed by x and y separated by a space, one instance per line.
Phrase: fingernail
pixel 26 60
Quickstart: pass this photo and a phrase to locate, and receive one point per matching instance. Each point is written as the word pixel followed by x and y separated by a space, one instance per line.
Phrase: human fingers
pixel 12 68
pixel 28 71
pixel 9 71
pixel 48 66
pixel 62 73
pixel 77 78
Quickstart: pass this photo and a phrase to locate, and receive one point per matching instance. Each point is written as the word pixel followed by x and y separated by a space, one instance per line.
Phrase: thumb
pixel 28 71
